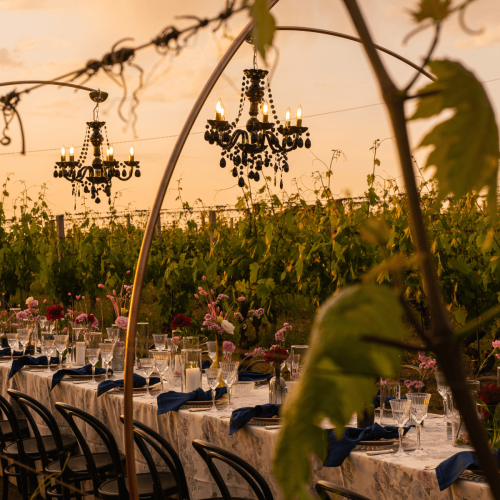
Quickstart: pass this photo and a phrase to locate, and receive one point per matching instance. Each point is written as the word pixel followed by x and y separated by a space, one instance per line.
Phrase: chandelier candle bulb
pixel 131 152
pixel 111 154
pixel 219 110
pixel 72 153
pixel 265 112
pixel 288 115
pixel 299 116
pixel 63 154
pixel 107 154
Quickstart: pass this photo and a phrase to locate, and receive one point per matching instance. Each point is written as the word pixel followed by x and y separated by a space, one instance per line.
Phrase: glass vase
pixel 217 360
pixel 277 387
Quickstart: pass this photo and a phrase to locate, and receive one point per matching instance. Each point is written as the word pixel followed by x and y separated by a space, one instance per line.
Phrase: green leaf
pixel 466 147
pixel 265 26
pixel 341 365
pixel 436 10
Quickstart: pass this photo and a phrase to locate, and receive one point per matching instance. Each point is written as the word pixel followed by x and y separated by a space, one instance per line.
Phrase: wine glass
pixel 212 349
pixel 93 355
pixel 295 363
pixel 442 388
pixel 115 333
pixel 229 373
pixel 106 354
pixel 159 342
pixel 48 342
pixel 92 340
pixel 419 405
pixel 13 343
pixel 162 363
pixel 61 342
pixel 147 367
pixel 401 414
pixel 213 377
pixel 23 335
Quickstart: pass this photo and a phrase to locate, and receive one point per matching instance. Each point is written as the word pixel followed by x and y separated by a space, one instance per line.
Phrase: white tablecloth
pixel 380 477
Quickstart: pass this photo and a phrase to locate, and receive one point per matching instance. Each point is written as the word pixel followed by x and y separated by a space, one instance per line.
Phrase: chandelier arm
pixel 234 139
pixel 126 178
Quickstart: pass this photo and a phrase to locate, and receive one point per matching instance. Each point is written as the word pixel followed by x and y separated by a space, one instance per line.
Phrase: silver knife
pixel 386 452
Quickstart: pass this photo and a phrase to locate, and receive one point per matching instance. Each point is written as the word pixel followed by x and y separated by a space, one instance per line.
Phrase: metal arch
pixel 356 39
pixel 150 230
pixel 49 82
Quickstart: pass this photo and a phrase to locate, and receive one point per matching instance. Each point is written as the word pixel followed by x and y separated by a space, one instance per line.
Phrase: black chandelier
pixel 97 177
pixel 248 148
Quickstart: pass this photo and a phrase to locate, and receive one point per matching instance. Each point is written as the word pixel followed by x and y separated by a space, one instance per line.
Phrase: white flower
pixel 28 300
pixel 227 327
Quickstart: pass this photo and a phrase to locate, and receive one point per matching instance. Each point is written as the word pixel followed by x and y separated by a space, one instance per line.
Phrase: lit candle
pixel 265 112
pixel 219 110
pixel 288 114
pixel 299 116
pixel 131 158
pixel 192 379
pixel 72 153
pixel 80 353
pixel 107 154
pixel 111 153
pixel 63 154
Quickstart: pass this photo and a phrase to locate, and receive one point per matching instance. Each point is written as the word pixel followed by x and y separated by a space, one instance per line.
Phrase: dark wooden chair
pixel 324 487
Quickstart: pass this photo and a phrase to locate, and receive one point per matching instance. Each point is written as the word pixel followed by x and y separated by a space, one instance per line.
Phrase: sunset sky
pixel 42 39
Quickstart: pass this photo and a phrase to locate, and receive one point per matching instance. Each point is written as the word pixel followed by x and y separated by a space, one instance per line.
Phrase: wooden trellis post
pixel 212 217
pixel 158 228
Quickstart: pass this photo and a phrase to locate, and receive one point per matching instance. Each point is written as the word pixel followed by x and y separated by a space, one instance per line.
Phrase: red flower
pixel 489 394
pixel 275 354
pixel 54 313
pixel 181 320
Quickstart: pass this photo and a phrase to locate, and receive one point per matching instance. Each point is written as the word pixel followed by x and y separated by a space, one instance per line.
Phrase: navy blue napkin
pixel 31 361
pixel 206 364
pixel 6 352
pixel 242 416
pixel 172 401
pixel 339 450
pixel 139 381
pixel 249 376
pixel 86 370
pixel 449 471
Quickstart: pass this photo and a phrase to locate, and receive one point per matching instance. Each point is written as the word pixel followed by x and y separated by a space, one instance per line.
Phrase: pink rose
pixel 100 285
pixel 241 299
pixel 122 321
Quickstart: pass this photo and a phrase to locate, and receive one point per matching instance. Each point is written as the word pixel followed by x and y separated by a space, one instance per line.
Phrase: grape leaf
pixel 338 375
pixel 436 10
pixel 466 148
pixel 264 28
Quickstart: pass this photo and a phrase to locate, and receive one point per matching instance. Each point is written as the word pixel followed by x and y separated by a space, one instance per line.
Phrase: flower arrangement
pixel 427 366
pixel 276 354
pixel 488 398
pixel 87 319
pixel 55 312
pixel 119 301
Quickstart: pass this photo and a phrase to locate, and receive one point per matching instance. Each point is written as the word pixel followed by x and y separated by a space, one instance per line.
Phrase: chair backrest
pixel 210 452
pixel 24 401
pixel 9 412
pixel 69 413
pixel 322 487
pixel 145 435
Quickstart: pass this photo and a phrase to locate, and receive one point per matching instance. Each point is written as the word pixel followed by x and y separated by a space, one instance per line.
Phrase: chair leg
pixel 5 485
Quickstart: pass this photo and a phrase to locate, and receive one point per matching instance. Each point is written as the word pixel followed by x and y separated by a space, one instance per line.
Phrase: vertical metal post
pixel 212 217
pixel 60 227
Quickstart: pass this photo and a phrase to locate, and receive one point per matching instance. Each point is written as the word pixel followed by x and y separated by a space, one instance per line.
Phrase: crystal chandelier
pixel 96 178
pixel 247 148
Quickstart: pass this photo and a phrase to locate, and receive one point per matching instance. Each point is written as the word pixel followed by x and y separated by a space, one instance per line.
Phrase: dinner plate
pixel 8 358
pixel 200 403
pixel 84 377
pixel 43 367
pixel 380 442
pixel 272 420
pixel 141 389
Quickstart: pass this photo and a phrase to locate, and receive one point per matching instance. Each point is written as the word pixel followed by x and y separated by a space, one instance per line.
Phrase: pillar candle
pixel 192 379
pixel 80 353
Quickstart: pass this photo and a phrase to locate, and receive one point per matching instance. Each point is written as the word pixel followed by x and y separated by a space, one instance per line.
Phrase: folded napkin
pixel 339 450
pixel 206 364
pixel 249 376
pixel 31 361
pixel 242 416
pixel 6 352
pixel 86 370
pixel 449 471
pixel 139 381
pixel 172 401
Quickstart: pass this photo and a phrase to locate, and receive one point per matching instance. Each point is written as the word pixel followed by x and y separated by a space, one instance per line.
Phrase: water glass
pixel 163 364
pixel 115 333
pixel 388 388
pixel 419 406
pixel 23 335
pixel 401 414
pixel 147 367
pixel 93 355
pixel 442 387
pixel 212 349
pixel 106 354
pixel 48 347
pixel 213 378
pixel 13 343
pixel 60 342
pixel 169 344
pixel 229 375
pixel 92 340
pixel 160 342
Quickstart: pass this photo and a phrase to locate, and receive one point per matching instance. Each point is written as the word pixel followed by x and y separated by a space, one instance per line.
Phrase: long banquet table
pixel 381 477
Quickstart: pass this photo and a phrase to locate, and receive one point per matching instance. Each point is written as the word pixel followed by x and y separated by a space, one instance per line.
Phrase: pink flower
pixel 241 299
pixel 21 315
pixel 114 292
pixel 100 285
pixel 69 294
pixel 45 301
pixel 495 344
pixel 176 340
pixel 33 304
pixel 122 321
pixel 98 300
pixel 228 347
pixel 203 278
pixel 83 297
pixel 78 297
pixel 128 272
pixel 65 329
pixel 196 295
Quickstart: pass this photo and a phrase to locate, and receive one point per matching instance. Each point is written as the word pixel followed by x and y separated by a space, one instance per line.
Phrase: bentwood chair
pixel 322 487
pixel 210 453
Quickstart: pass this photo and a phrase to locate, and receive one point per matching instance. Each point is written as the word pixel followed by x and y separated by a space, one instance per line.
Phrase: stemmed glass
pixel 419 405
pixel 159 342
pixel 213 377
pixel 162 363
pixel 295 363
pixel 169 344
pixel 106 354
pixel 229 373
pixel 147 366
pixel 61 342
pixel 93 355
pixel 401 414
pixel 23 335
pixel 48 347
pixel 212 349
pixel 442 388
pixel 13 343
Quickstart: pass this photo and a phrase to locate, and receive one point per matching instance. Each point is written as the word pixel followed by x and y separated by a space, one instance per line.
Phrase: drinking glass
pixel 93 355
pixel 48 346
pixel 13 343
pixel 401 414
pixel 92 340
pixel 159 342
pixel 212 349
pixel 61 342
pixel 419 406
pixel 162 363
pixel 442 387
pixel 115 333
pixel 169 344
pixel 106 354
pixel 23 335
pixel 295 363
pixel 388 388
pixel 213 378
pixel 147 366
pixel 191 342
pixel 229 374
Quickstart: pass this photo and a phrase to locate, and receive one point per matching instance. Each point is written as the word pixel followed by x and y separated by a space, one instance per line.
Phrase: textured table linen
pixel 380 477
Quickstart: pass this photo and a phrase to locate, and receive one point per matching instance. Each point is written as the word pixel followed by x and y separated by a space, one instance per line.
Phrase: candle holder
pixel 190 369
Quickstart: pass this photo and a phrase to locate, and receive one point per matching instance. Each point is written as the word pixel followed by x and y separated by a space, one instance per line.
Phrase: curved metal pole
pixel 49 82
pixel 149 234
pixel 356 39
